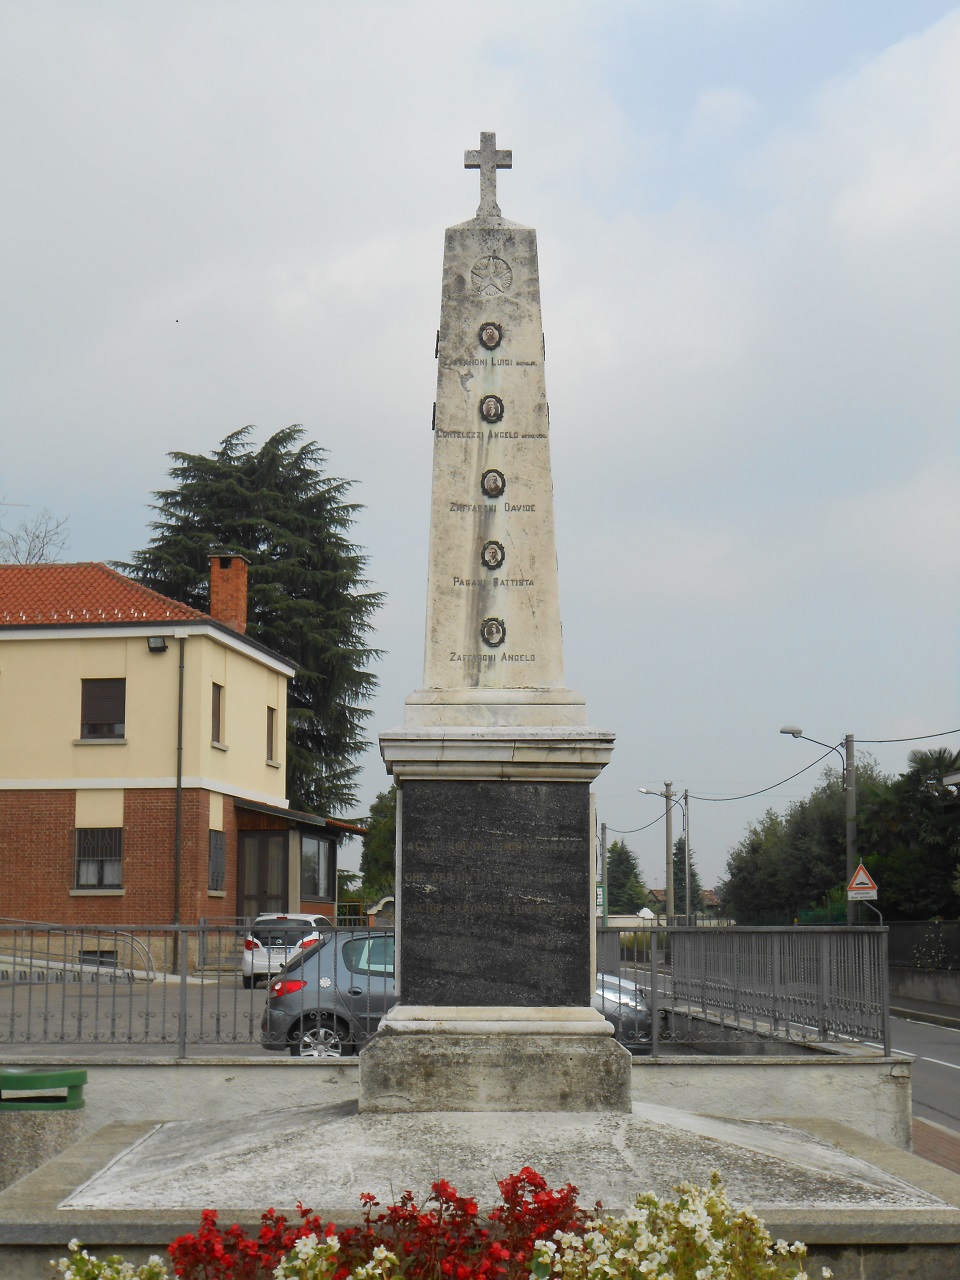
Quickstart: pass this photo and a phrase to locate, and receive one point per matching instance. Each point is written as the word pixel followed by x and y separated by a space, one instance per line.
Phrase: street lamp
pixel 686 855
pixel 850 791
pixel 666 794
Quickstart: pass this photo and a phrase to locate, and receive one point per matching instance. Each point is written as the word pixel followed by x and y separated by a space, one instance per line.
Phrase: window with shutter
pixel 103 708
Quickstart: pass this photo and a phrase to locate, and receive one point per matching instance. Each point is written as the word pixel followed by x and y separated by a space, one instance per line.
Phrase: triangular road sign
pixel 862 885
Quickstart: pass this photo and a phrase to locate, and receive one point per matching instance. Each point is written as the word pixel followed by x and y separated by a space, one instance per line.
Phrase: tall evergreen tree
pixel 680 880
pixel 307 594
pixel 625 888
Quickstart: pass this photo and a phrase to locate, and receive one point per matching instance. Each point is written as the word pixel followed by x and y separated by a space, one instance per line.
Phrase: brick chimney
pixel 228 590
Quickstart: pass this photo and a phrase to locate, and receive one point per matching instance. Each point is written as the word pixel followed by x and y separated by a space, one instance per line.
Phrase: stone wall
pixel 940 986
pixel 871 1094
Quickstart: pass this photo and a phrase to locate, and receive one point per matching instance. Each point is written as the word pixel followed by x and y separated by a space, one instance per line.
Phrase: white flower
pixel 73 1245
pixel 305 1246
pixel 827 1273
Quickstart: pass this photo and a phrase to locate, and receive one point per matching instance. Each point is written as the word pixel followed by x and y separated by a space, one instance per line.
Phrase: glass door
pixel 263 879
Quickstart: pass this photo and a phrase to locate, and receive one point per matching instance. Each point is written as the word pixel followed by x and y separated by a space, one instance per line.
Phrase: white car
pixel 273 939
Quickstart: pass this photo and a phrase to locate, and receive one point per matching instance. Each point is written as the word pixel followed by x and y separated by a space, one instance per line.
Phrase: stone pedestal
pixel 430 1058
pixel 495 927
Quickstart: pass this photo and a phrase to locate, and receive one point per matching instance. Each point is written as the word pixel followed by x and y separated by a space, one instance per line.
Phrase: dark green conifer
pixel 307 597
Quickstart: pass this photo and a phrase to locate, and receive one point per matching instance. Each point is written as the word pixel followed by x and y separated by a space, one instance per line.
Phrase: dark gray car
pixel 330 998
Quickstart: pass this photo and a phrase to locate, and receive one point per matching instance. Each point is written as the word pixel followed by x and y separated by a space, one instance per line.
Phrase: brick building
pixel 142 756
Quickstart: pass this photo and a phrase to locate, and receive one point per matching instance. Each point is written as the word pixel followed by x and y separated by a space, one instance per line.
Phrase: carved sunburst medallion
pixel 491 277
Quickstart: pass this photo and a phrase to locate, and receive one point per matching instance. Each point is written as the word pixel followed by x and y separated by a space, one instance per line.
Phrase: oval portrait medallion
pixel 492 483
pixel 493 632
pixel 492 555
pixel 491 335
pixel 491 408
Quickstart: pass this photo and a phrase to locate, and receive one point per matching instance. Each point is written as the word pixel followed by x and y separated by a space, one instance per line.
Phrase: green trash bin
pixel 21 1079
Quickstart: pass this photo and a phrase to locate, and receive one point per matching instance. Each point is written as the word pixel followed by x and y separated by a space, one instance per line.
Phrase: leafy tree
pixel 910 838
pixel 754 885
pixel 680 880
pixel 378 859
pixel 626 890
pixel 307 596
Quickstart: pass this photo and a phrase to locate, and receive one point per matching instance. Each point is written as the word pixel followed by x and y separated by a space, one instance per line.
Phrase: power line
pixel 772 787
pixel 748 795
pixel 920 737
pixel 633 831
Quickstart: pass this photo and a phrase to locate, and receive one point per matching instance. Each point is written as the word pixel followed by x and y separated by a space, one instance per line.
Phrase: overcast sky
pixel 221 212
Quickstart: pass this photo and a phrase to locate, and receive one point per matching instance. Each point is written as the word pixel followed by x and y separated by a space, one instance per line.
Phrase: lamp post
pixel 686 856
pixel 850 795
pixel 667 794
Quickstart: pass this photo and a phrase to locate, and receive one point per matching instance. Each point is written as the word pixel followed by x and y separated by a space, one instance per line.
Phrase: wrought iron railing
pixel 182 990
pixel 780 987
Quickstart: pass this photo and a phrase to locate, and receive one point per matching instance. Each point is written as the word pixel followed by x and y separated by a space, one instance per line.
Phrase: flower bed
pixel 535 1231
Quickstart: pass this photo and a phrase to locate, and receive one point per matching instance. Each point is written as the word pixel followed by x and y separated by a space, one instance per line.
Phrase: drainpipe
pixel 178 829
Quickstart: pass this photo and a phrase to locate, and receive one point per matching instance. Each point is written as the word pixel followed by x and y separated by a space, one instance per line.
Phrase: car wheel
pixel 248 981
pixel 325 1038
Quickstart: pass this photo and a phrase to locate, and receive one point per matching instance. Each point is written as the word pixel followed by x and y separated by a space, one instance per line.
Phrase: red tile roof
pixel 52 594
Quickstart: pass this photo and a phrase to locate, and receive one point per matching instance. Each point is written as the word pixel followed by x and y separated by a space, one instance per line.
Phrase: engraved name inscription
pixel 492 657
pixel 494 582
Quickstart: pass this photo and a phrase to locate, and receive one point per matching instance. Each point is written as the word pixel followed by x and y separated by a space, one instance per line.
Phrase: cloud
pixel 720 114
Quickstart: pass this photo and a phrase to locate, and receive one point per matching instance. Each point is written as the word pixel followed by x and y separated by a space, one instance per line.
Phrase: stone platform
pixel 133 1187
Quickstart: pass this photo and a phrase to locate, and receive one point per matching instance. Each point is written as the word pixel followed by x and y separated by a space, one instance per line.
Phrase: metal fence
pixel 181 990
pixel 152 987
pixel 766 987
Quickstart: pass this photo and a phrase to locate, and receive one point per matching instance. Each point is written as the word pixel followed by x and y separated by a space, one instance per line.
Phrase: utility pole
pixel 603 869
pixel 668 796
pixel 850 787
pixel 848 756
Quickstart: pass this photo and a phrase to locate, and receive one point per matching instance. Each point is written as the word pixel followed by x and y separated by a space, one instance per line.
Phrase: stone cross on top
pixel 488 160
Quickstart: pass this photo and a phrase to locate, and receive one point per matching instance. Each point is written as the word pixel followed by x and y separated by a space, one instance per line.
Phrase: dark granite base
pixel 496 893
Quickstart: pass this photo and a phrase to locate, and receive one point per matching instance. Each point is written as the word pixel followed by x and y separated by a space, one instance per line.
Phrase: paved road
pixel 936 1068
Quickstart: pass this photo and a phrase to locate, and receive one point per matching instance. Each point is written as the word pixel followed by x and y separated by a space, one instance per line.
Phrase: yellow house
pixel 142 756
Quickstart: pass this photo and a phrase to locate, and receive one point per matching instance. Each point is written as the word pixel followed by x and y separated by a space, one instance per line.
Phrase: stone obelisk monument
pixel 495 829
